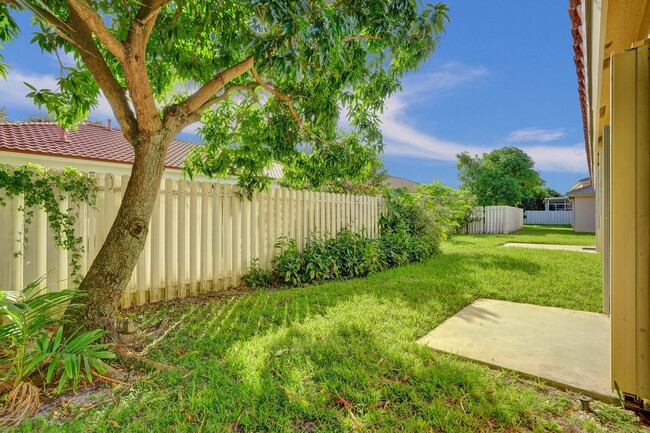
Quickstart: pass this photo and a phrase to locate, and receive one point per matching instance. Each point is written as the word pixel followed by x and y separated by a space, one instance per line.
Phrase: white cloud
pixel 448 76
pixel 423 86
pixel 538 135
pixel 404 139
pixel 103 111
pixel 14 92
pixel 569 158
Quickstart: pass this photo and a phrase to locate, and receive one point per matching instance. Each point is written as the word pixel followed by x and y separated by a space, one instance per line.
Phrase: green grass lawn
pixel 539 234
pixel 342 356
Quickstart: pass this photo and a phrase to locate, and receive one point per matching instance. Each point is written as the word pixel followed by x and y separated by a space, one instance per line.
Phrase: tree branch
pixel 46 16
pixel 287 99
pixel 96 25
pixel 196 116
pixel 178 113
pixel 143 24
pixel 96 64
pixel 352 37
pixel 150 10
pixel 367 37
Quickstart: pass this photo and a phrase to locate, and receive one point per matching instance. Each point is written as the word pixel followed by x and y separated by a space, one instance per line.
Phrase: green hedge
pixel 407 234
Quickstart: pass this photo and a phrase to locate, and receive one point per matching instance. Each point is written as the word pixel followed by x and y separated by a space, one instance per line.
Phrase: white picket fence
pixel 495 220
pixel 548 217
pixel 202 237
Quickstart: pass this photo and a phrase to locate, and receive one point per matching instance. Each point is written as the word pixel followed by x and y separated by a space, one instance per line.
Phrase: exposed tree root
pixel 23 402
pixel 161 333
pixel 137 342
pixel 134 342
pixel 118 375
pixel 130 357
pixel 156 331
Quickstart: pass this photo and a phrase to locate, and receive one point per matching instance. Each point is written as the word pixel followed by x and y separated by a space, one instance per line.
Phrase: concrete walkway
pixel 579 248
pixel 564 347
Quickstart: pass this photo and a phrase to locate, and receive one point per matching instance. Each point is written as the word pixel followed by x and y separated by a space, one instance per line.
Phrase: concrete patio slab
pixel 578 248
pixel 569 349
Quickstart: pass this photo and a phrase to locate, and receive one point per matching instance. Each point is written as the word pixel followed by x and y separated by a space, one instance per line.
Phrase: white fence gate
pixel 495 220
pixel 548 217
pixel 202 236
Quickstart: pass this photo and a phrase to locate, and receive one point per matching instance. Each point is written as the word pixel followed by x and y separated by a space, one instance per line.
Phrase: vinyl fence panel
pixel 548 217
pixel 203 236
pixel 494 220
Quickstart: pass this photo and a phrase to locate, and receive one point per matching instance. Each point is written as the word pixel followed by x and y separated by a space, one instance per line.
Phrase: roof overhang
pixel 583 195
pixel 601 28
pixel 549 199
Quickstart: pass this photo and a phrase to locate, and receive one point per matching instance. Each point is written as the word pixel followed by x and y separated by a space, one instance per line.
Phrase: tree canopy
pixel 265 78
pixel 536 202
pixel 268 80
pixel 449 208
pixel 502 177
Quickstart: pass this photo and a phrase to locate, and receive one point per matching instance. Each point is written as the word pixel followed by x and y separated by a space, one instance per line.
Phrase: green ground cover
pixel 342 356
pixel 539 234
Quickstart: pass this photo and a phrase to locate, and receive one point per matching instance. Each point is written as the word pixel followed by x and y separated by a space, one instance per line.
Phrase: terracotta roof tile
pixel 578 58
pixel 91 142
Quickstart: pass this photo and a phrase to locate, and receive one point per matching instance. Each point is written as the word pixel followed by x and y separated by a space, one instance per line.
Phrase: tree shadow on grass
pixel 336 357
pixel 437 288
pixel 355 367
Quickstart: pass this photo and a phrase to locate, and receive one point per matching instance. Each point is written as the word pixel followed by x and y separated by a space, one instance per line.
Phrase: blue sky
pixel 502 76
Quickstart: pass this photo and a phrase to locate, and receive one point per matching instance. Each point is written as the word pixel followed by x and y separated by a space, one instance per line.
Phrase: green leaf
pixel 89 374
pixel 53 367
pixel 34 362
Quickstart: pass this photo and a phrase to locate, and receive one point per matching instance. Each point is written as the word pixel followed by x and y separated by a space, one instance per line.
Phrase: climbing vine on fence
pixel 47 189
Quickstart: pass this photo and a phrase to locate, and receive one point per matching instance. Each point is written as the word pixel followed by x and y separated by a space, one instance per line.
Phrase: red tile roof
pixel 578 59
pixel 90 142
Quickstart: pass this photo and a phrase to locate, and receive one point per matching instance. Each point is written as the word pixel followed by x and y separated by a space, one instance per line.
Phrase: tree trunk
pixel 112 268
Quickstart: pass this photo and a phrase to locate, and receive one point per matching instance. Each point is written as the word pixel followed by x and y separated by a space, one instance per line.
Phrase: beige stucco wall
pixel 584 214
pixel 88 166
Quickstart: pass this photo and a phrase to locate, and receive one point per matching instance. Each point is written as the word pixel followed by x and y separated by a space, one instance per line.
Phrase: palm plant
pixel 32 346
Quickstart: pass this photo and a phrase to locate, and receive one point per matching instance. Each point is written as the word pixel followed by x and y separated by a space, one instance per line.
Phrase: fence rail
pixel 548 217
pixel 202 236
pixel 495 220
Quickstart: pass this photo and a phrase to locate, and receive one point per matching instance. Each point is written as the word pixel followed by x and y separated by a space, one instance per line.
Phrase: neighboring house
pixel 581 183
pixel 91 148
pixel 612 52
pixel 398 182
pixel 557 204
pixel 583 198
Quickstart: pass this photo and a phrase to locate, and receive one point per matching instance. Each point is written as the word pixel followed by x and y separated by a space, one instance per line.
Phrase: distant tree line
pixel 505 176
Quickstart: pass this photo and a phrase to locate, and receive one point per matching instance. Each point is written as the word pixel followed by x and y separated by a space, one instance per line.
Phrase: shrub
pixel 32 346
pixel 408 230
pixel 257 277
pixel 408 233
pixel 449 209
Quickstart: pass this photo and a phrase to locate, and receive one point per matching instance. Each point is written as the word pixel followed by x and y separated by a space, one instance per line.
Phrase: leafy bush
pixel 406 235
pixel 315 263
pixel 32 345
pixel 257 277
pixel 408 230
pixel 448 209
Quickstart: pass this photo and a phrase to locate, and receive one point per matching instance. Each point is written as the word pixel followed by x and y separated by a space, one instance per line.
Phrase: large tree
pixel 267 79
pixel 536 201
pixel 502 177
